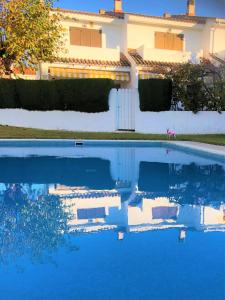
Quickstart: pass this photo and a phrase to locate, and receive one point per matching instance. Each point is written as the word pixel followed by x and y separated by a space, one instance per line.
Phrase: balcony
pixel 92 53
pixel 162 55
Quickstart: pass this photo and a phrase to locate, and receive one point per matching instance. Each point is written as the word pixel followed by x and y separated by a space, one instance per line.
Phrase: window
pixel 169 41
pixel 85 37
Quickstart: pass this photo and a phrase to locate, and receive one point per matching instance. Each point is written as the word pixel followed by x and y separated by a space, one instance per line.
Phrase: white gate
pixel 126 101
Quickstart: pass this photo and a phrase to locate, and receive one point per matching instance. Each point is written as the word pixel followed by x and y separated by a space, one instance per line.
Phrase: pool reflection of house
pixel 126 189
pixel 91 210
pixel 149 214
pixel 205 218
pixel 162 213
pixel 94 210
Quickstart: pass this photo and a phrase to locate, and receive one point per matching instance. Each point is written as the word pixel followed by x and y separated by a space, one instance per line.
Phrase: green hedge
pixel 155 94
pixel 7 93
pixel 84 95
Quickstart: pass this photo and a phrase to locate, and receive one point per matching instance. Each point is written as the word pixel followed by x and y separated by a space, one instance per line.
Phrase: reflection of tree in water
pixel 187 184
pixel 30 228
pixel 198 184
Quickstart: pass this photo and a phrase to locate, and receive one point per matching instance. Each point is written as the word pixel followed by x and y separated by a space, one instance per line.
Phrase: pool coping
pixel 210 149
pixel 202 147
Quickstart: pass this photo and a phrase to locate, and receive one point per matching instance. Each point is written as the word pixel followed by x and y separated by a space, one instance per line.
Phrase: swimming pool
pixel 110 221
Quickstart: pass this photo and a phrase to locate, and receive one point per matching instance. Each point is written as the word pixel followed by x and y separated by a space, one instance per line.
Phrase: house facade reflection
pixel 105 210
pixel 125 189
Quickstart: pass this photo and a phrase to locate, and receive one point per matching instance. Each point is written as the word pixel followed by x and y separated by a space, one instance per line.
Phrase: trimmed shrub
pixel 7 94
pixel 37 95
pixel 155 94
pixel 84 95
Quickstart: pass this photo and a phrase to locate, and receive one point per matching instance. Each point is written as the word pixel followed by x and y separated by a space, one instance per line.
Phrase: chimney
pixel 191 8
pixel 118 6
pixel 167 15
pixel 102 11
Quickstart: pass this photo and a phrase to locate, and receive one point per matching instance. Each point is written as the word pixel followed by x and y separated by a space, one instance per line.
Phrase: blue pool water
pixel 111 222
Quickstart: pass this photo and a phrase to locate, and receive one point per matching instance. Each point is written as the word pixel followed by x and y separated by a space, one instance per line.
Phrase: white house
pixel 94 48
pixel 126 46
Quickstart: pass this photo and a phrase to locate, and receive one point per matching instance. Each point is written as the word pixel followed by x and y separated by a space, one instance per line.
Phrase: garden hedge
pixel 7 93
pixel 84 95
pixel 155 94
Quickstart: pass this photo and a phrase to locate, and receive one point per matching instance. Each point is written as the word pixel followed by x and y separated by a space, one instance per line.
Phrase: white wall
pixel 95 53
pixel 69 120
pixel 54 120
pixel 113 35
pixel 111 40
pixel 219 42
pixel 165 55
pixel 183 122
pixel 140 34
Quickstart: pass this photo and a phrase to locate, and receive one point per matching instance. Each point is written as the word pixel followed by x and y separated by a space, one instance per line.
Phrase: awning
pixel 148 75
pixel 56 73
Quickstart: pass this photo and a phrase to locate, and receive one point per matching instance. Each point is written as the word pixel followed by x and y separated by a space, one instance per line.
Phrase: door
pixel 126 109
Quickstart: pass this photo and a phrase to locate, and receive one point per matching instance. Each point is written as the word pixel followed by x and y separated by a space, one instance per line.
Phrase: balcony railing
pixel 93 53
pixel 162 55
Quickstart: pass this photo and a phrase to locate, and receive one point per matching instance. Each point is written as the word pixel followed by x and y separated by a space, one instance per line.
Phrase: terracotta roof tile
pixel 196 19
pixel 111 14
pixel 218 59
pixel 87 13
pixel 180 18
pixel 150 65
pixel 27 71
pixel 123 62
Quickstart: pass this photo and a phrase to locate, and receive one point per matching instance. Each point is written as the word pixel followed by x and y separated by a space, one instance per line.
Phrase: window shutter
pixel 169 41
pixel 179 42
pixel 96 38
pixel 75 36
pixel 160 40
pixel 85 37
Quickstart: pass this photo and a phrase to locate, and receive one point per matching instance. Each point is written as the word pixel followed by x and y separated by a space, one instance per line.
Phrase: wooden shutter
pixel 86 37
pixel 169 41
pixel 96 38
pixel 75 36
pixel 179 42
pixel 160 40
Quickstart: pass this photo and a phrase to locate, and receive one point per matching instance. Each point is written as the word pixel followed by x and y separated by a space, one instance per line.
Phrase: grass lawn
pixel 8 132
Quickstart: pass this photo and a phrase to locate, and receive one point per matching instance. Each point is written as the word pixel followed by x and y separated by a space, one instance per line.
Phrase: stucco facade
pixel 128 48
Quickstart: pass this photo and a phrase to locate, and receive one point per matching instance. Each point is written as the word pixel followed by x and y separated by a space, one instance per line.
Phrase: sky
pixel 211 8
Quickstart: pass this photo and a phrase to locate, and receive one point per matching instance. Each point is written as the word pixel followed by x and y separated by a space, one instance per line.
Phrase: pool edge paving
pixel 197 147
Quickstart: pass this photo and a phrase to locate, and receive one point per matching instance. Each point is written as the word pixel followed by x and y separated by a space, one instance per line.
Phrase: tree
pixel 30 33
pixel 32 228
pixel 199 87
pixel 188 86
pixel 214 85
